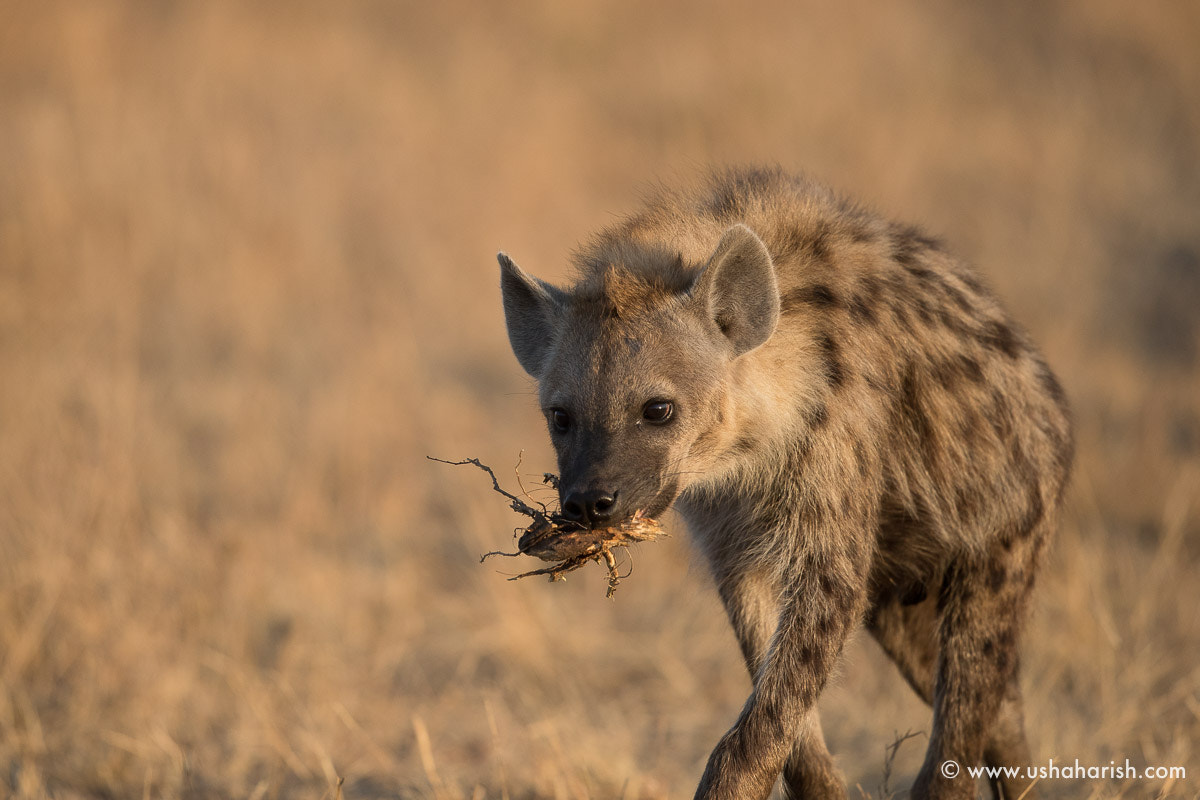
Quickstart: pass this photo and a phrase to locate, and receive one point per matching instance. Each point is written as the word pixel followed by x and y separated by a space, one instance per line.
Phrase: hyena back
pixel 853 430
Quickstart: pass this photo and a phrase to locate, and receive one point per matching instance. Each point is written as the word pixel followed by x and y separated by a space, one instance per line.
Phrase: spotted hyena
pixel 854 430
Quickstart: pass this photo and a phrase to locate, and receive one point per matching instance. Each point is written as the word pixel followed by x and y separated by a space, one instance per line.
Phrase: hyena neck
pixel 763 415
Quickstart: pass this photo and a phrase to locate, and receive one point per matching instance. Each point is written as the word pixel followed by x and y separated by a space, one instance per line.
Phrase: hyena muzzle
pixel 854 431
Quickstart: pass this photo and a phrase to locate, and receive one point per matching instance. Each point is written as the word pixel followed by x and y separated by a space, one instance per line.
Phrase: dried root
pixel 552 537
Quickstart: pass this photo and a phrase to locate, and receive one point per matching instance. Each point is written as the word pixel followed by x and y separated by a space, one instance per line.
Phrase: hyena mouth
pixel 662 501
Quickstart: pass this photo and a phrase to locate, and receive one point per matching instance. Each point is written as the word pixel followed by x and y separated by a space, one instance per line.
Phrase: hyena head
pixel 634 367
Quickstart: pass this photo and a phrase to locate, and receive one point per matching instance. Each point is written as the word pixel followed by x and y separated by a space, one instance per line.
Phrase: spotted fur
pixel 862 436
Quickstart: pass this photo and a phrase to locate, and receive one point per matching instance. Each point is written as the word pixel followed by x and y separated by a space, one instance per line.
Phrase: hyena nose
pixel 596 505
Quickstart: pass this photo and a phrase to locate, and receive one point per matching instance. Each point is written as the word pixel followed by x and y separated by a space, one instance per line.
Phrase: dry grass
pixel 247 284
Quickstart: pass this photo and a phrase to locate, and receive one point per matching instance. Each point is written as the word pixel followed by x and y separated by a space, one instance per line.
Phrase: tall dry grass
pixel 246 285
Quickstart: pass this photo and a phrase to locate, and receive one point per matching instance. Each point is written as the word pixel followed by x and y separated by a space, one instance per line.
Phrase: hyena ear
pixel 738 290
pixel 531 309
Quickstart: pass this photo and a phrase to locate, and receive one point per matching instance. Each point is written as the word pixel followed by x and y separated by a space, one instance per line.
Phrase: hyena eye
pixel 560 419
pixel 658 411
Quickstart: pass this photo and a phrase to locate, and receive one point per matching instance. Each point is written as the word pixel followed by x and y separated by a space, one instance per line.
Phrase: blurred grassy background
pixel 247 283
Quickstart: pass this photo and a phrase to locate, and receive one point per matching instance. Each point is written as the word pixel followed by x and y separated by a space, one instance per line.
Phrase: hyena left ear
pixel 738 290
pixel 531 309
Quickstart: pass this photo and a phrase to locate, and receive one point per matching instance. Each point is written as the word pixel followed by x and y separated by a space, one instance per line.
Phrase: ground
pixel 247 284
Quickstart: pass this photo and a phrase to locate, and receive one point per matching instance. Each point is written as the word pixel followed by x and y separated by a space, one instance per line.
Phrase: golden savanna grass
pixel 247 284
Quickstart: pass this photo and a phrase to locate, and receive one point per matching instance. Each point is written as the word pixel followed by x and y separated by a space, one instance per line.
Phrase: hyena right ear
pixel 531 309
pixel 738 290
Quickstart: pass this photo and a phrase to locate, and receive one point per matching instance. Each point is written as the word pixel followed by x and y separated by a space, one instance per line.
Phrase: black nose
pixel 595 505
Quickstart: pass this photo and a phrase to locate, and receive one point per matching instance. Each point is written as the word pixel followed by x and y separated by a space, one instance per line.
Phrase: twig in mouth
pixel 553 537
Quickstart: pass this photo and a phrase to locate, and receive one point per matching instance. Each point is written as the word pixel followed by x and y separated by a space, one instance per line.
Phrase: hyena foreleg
pixel 778 730
pixel 752 603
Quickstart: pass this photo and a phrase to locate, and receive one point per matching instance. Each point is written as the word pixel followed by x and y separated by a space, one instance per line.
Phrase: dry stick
pixel 549 534
pixel 518 505
pixel 521 484
pixel 890 756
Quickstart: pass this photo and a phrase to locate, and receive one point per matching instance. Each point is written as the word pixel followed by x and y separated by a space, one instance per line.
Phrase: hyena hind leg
pixel 753 610
pixel 910 635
